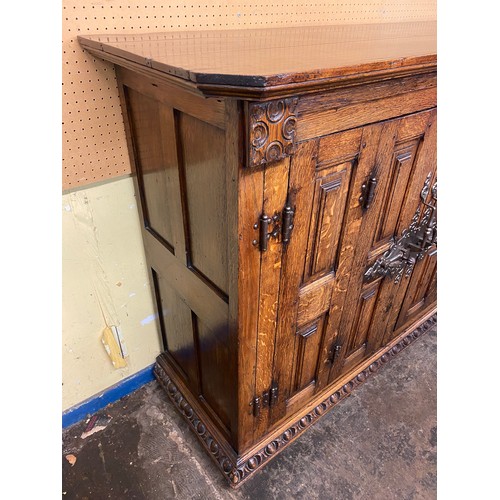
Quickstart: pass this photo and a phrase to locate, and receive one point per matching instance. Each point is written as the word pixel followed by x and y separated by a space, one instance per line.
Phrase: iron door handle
pixel 368 192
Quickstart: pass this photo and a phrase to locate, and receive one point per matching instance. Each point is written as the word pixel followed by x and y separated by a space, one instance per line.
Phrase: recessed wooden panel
pixel 199 296
pixel 326 219
pixel 208 110
pixel 421 290
pixel 402 165
pixel 215 361
pixel 306 359
pixel 202 150
pixel 363 317
pixel 157 170
pixel 176 328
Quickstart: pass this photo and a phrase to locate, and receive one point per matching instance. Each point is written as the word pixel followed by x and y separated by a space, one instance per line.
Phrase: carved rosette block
pixel 240 470
pixel 271 130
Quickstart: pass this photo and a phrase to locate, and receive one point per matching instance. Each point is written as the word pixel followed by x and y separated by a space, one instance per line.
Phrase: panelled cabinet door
pixel 421 293
pixel 405 161
pixel 353 193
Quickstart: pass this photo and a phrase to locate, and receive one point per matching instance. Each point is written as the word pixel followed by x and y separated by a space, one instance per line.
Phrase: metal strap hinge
pixel 266 399
pixel 279 225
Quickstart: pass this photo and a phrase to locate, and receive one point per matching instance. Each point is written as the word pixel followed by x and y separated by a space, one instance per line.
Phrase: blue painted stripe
pixel 110 395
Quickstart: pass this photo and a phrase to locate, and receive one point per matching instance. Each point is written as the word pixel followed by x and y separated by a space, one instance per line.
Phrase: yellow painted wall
pixel 105 281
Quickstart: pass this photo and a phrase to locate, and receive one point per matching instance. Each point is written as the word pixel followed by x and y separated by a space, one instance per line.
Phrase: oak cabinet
pixel 330 315
pixel 289 217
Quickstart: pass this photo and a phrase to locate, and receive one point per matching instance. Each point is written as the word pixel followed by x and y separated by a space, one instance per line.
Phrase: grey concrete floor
pixel 380 443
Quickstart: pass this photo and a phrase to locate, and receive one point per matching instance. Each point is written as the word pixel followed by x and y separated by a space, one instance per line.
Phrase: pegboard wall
pixel 94 146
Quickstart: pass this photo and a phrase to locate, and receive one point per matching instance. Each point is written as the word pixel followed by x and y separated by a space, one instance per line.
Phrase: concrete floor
pixel 380 443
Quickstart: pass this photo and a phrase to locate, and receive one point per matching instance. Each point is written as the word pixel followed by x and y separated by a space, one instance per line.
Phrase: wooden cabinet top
pixel 274 61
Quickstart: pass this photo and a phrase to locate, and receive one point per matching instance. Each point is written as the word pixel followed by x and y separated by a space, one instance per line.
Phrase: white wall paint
pixel 105 281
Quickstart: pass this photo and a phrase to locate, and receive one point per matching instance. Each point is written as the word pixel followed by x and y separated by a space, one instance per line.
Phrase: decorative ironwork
pixel 415 242
pixel 263 226
pixel 368 192
pixel 288 214
pixel 266 399
pixel 282 224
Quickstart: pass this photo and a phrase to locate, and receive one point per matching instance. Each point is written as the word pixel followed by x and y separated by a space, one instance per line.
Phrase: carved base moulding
pixel 239 469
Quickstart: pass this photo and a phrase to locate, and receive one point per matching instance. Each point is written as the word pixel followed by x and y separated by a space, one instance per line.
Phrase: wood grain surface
pixel 273 56
pixel 261 318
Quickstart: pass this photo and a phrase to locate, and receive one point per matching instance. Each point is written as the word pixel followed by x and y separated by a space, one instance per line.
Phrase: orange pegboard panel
pixel 94 146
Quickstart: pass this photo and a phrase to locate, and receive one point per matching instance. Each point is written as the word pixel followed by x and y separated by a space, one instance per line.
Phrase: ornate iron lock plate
pixel 419 239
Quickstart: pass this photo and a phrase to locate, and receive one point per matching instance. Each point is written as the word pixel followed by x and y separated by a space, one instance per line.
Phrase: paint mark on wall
pixel 149 319
pixel 114 344
pixel 83 218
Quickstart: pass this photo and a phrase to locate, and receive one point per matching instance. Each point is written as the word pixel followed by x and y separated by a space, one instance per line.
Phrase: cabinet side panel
pixel 179 165
pixel 214 359
pixel 156 167
pixel 176 329
pixel 202 153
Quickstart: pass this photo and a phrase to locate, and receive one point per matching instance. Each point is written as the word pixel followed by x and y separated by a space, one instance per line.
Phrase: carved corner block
pixel 271 130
